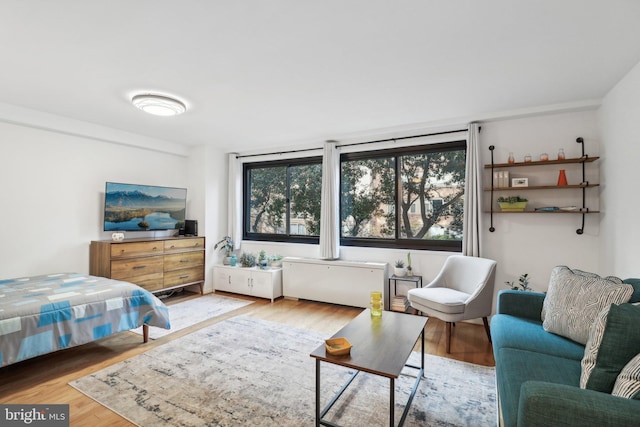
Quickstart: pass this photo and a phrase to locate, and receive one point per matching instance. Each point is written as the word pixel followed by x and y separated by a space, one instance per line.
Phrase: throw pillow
pixel 636 289
pixel 628 382
pixel 613 341
pixel 575 298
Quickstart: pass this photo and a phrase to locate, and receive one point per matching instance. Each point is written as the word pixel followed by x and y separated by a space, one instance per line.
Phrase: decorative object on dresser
pixel 155 264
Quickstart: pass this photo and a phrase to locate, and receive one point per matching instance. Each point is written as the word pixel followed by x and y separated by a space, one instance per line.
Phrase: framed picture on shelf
pixel 520 182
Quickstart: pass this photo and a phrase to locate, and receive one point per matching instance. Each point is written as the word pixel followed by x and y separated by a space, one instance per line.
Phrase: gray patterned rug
pixel 250 372
pixel 195 310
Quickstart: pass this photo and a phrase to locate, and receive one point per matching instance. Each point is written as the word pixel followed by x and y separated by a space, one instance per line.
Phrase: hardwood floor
pixel 43 380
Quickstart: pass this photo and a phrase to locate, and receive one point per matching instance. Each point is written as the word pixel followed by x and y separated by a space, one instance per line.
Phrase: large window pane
pixel 409 197
pixel 282 200
pixel 432 195
pixel 368 198
pixel 267 205
pixel 305 187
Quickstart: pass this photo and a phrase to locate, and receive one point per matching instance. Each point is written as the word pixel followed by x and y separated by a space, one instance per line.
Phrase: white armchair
pixel 462 290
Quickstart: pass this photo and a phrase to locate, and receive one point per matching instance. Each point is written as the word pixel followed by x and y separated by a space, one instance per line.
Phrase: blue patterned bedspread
pixel 42 314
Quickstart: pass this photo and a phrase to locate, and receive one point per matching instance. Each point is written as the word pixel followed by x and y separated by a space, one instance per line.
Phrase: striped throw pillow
pixel 575 298
pixel 613 341
pixel 628 382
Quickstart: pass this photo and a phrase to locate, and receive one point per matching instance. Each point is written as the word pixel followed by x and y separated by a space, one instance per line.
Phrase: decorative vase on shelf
pixel 562 178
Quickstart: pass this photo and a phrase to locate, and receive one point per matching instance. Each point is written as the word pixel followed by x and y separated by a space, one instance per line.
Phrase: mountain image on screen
pixel 130 207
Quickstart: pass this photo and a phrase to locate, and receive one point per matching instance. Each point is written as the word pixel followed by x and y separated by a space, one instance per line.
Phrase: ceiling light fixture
pixel 158 105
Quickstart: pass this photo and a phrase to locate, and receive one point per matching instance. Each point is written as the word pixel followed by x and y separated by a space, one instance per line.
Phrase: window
pixel 282 200
pixel 424 185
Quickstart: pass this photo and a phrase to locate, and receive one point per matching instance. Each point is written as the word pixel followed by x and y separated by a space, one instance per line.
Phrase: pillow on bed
pixel 575 298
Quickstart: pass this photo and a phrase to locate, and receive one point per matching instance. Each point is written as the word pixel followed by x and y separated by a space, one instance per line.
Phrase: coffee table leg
pixel 422 351
pixel 317 392
pixel 392 403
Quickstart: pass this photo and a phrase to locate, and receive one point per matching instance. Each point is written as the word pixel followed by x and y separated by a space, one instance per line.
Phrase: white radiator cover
pixel 338 282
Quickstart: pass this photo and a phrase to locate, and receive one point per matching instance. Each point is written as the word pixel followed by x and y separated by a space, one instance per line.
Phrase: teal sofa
pixel 538 373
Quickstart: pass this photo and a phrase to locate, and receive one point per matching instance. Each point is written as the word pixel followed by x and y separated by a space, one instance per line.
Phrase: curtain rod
pixel 355 143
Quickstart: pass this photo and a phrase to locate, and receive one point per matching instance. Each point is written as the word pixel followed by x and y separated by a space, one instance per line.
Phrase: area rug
pixel 195 310
pixel 250 372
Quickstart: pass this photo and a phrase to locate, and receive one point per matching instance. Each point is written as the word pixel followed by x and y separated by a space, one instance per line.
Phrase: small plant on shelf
pixel 226 245
pixel 521 285
pixel 398 269
pixel 511 199
pixel 512 203
pixel 248 260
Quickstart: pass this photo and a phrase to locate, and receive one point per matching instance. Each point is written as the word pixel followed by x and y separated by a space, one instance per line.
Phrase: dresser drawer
pixel 125 269
pixel 183 260
pixel 135 249
pixel 181 245
pixel 151 282
pixel 180 277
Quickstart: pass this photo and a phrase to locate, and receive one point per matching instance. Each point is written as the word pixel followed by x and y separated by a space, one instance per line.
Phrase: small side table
pixel 416 280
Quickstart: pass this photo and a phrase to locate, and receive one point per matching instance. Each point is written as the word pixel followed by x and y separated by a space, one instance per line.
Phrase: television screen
pixel 132 207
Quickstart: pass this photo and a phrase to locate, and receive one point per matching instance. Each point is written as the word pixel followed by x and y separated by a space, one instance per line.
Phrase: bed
pixel 42 314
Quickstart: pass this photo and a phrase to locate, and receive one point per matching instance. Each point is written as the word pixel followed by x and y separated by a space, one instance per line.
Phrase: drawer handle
pixel 138 267
pixel 184 260
pixel 155 249
pixel 172 246
pixel 184 277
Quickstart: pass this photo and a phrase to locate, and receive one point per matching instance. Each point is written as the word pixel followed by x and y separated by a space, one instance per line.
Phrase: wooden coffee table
pixel 381 346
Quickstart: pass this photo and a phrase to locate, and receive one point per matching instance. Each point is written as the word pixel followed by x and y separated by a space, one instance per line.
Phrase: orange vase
pixel 562 178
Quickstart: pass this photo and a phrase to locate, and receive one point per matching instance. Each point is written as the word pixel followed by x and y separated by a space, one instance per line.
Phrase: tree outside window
pixel 283 199
pixel 425 185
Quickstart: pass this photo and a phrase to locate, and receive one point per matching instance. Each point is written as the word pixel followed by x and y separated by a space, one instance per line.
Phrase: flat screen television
pixel 133 207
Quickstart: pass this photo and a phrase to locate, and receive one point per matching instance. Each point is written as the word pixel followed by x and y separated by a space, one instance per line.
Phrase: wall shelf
pixel 582 186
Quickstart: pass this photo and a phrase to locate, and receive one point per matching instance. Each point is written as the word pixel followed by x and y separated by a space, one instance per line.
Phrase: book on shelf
pixel 399 303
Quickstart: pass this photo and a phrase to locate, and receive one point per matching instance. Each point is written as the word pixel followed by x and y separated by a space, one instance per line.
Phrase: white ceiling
pixel 263 73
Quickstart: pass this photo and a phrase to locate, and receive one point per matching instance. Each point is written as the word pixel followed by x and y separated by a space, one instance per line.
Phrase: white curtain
pixel 234 207
pixel 329 209
pixel 472 195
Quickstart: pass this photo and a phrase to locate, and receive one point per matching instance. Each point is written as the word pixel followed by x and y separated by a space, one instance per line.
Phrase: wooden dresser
pixel 156 264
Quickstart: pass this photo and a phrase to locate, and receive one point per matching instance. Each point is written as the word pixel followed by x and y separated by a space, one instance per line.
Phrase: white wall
pixel 535 243
pixel 619 120
pixel 52 192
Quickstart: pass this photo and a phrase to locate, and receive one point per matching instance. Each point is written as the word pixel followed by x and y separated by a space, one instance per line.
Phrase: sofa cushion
pixel 516 367
pixel 636 289
pixel 575 298
pixel 628 382
pixel 444 300
pixel 614 340
pixel 526 334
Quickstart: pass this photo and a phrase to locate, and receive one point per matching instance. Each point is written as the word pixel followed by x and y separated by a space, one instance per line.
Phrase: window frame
pixel 246 201
pixel 398 242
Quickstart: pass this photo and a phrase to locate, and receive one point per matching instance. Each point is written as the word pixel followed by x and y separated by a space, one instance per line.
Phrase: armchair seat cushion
pixel 444 300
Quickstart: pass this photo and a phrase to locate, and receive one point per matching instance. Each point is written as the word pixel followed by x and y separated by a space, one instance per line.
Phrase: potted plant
pixel 522 285
pixel 409 269
pixel 226 245
pixel 398 269
pixel 262 260
pixel 275 260
pixel 247 259
pixel 512 203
